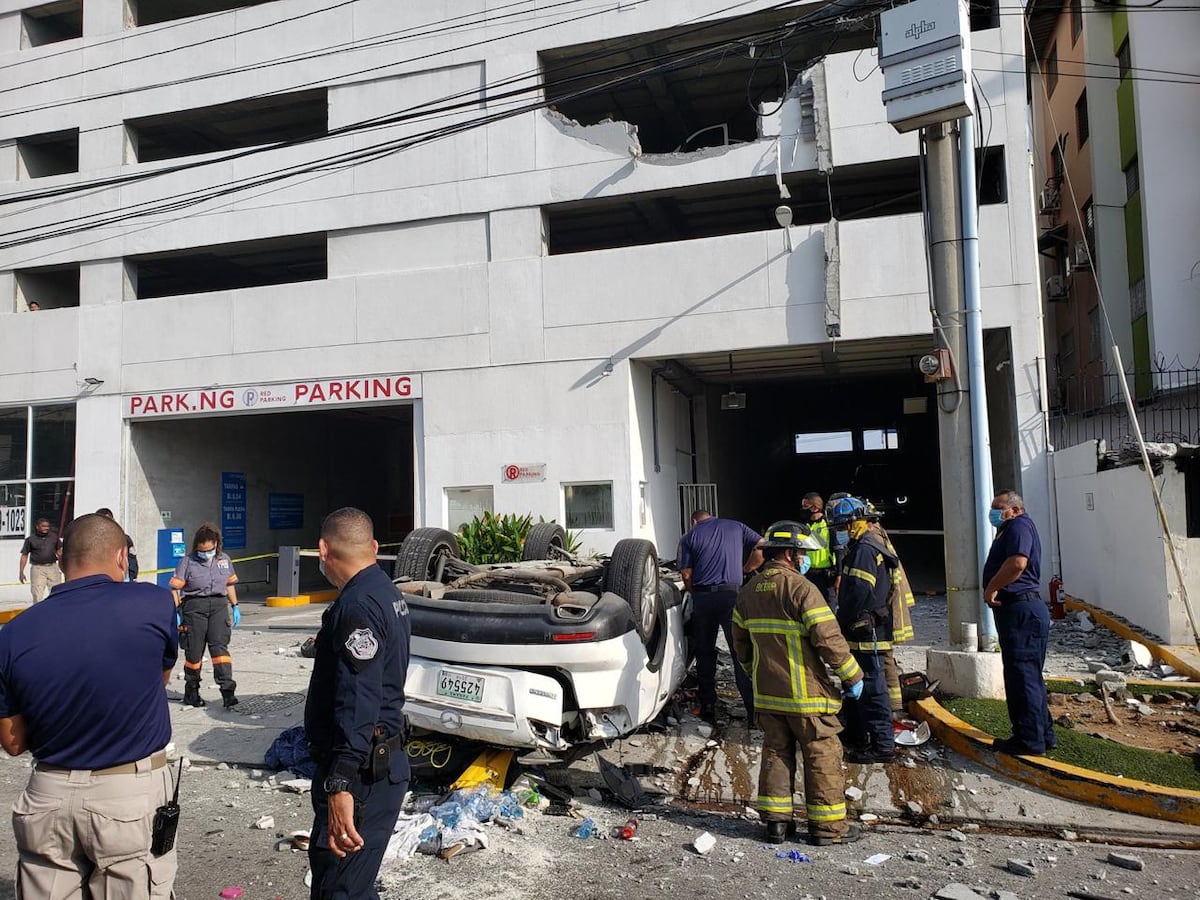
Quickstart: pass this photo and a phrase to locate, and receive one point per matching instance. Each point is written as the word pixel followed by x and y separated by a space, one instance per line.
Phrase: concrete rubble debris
pixel 1068 835
pixel 1110 681
pixel 854 794
pixel 1126 861
pixel 956 891
pixel 910 883
pixel 704 730
pixel 1022 867
pixel 877 859
pixel 1083 622
pixel 868 818
pixel 704 843
pixel 1138 654
pixel 266 823
pixel 919 856
pixel 956 835
pixel 915 808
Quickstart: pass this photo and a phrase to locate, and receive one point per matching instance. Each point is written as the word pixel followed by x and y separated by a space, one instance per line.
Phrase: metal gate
pixel 693 497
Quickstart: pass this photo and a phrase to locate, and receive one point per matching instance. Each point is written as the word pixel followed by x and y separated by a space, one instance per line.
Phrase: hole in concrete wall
pixel 51 23
pixel 685 102
pixel 151 12
pixel 53 153
pixel 48 287
pixel 228 126
pixel 225 267
pixel 870 190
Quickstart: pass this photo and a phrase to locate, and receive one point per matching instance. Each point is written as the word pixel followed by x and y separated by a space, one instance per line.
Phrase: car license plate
pixel 458 686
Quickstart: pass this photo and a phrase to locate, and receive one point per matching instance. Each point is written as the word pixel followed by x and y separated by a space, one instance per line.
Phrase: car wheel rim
pixel 649 595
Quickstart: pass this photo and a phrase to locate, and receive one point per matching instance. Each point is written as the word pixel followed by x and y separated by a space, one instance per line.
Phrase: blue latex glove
pixel 237 620
pixel 855 690
pixel 178 617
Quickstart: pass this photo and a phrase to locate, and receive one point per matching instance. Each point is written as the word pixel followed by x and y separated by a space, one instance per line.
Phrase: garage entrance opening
pixel 296 468
pixel 855 417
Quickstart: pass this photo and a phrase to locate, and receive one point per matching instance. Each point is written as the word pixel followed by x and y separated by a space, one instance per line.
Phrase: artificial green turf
pixel 1089 752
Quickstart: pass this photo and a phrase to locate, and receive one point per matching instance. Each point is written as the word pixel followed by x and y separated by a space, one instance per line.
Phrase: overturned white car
pixel 548 653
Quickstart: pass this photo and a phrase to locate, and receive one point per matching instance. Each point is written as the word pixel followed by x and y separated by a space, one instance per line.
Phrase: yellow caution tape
pixel 240 559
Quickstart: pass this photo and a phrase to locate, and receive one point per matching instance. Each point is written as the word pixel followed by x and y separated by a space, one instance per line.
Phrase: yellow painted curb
pixel 8 615
pixel 1166 654
pixel 303 599
pixel 1070 782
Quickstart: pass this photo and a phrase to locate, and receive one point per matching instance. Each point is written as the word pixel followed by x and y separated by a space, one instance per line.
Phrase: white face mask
pixel 321 567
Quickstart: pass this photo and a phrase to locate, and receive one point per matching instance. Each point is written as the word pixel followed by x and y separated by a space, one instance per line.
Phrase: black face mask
pixel 810 515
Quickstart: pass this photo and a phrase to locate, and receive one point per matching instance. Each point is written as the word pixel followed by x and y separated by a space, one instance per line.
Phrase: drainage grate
pixel 262 704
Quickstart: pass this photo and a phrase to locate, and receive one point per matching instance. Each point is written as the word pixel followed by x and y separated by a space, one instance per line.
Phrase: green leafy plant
pixel 490 538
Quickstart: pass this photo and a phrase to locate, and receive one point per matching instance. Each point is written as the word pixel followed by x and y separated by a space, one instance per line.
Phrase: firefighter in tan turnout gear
pixel 784 633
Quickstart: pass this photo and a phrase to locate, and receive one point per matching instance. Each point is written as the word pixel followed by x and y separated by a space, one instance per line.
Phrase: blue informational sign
pixel 285 511
pixel 171 549
pixel 233 510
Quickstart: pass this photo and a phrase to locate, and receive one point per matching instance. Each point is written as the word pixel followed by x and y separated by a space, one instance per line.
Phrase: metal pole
pixel 981 446
pixel 954 422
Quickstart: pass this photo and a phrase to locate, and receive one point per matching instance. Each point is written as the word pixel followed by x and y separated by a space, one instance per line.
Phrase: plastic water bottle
pixel 510 806
pixel 628 830
pixel 584 830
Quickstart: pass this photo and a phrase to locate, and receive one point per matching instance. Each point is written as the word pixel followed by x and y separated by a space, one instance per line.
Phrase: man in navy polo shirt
pixel 82 686
pixel 712 557
pixel 1012 579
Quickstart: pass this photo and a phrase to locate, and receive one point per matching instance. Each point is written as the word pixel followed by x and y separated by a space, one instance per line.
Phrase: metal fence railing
pixel 1089 407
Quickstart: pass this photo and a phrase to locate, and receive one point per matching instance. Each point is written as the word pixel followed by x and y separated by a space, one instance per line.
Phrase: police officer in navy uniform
pixel 82 686
pixel 204 585
pixel 355 713
pixel 1011 584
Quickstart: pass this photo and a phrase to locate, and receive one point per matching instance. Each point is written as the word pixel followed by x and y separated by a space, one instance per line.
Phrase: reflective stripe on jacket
pixel 900 598
pixel 783 635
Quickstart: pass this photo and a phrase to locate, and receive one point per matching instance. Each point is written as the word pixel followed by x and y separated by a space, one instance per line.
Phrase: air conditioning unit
pixel 1056 288
pixel 1048 200
pixel 1080 258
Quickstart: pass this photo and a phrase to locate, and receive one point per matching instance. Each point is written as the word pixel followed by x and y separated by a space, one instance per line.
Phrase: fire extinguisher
pixel 1057 609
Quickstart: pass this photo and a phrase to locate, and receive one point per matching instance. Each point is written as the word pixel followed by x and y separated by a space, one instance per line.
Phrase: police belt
pixel 157 761
pixel 395 742
pixel 714 588
pixel 202 596
pixel 1006 598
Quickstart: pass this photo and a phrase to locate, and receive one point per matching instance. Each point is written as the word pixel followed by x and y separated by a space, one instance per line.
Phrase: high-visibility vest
pixel 823 558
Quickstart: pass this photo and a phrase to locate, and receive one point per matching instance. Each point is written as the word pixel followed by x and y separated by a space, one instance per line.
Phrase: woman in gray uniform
pixel 204 590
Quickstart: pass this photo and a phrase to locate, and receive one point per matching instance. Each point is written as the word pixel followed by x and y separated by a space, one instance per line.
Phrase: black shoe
pixel 1013 747
pixel 191 697
pixel 853 833
pixel 777 832
pixel 230 700
pixel 866 757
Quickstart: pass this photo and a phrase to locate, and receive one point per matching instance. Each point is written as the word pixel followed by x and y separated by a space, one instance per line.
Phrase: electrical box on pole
pixel 925 56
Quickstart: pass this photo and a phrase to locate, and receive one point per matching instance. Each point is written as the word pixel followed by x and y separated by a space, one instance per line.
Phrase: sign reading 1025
pixel 12 520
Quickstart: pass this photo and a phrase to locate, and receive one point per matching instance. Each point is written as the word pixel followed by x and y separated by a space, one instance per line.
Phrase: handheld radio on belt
pixel 166 821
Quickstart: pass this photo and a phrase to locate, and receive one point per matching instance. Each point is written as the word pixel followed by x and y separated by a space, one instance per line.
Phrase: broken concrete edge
pixel 1070 782
pixel 1117 627
pixel 303 599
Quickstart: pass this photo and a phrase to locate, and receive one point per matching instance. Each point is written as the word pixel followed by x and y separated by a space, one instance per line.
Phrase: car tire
pixel 546 540
pixel 633 576
pixel 423 553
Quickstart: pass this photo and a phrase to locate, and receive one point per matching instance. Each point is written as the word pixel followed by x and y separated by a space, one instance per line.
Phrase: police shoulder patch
pixel 362 644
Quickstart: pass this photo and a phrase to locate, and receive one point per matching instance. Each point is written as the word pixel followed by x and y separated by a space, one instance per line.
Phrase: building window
pixel 466 503
pixel 825 442
pixel 37 467
pixel 151 12
pixel 1066 352
pixel 53 153
pixel 881 439
pixel 1081 118
pixel 1050 72
pixel 51 23
pixel 588 504
pixel 1057 165
pixel 49 287
pixel 1076 19
pixel 1132 179
pixel 1095 333
pixel 1088 216
pixel 1123 63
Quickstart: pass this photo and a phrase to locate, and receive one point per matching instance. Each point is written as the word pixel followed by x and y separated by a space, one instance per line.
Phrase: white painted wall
pixel 1168 127
pixel 1113 553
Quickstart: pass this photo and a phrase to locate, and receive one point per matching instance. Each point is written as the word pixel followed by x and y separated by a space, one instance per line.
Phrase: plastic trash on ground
pixel 585 830
pixel 407 836
pixel 793 856
pixel 913 737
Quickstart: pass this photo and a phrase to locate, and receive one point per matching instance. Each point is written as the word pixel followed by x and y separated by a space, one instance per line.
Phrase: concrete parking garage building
pixel 431 258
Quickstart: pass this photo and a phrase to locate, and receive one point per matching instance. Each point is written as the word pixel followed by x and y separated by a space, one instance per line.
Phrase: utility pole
pixel 954 412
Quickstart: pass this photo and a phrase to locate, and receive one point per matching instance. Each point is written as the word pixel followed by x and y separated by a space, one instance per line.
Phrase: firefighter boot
pixel 191 695
pixel 229 699
pixel 776 832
